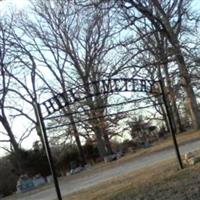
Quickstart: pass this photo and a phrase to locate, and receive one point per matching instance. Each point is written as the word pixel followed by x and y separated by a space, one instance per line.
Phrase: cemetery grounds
pixel 163 181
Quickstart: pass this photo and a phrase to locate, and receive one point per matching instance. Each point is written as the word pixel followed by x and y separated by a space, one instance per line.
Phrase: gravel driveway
pixel 70 186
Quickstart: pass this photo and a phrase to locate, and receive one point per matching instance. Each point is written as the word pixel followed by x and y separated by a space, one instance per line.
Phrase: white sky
pixel 7 6
pixel 13 4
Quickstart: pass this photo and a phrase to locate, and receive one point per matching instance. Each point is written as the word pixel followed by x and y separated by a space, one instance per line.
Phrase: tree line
pixel 54 46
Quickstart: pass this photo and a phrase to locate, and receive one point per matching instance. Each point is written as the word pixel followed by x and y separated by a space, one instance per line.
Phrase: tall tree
pixel 167 18
pixel 5 82
pixel 86 40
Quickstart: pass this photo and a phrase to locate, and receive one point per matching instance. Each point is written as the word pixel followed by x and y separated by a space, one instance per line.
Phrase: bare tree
pixel 86 40
pixel 167 18
pixel 158 48
pixel 5 82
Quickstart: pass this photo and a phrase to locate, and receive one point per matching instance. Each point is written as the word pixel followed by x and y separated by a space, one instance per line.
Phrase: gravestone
pixel 24 184
pixel 38 180
pixel 191 158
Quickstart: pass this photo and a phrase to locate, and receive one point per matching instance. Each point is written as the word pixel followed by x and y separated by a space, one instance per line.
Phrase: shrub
pixel 7 176
pixel 68 158
pixel 32 162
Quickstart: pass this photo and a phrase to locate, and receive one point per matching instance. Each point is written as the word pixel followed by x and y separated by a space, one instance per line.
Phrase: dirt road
pixel 70 186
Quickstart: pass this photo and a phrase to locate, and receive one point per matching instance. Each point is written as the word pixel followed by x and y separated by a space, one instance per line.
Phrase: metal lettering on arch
pixel 73 95
pixel 108 86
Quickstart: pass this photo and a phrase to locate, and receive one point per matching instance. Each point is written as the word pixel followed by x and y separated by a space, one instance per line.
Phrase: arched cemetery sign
pixel 79 93
pixel 114 85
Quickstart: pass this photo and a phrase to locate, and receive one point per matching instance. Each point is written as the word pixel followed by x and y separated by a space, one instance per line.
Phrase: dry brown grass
pixel 158 179
pixel 159 182
pixel 157 146
pixel 102 191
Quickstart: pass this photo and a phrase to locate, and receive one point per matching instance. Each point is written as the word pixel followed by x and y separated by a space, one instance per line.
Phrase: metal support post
pixel 47 149
pixel 171 125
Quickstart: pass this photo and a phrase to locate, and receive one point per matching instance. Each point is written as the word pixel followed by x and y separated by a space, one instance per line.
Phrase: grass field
pixel 160 182
pixel 157 146
pixel 162 178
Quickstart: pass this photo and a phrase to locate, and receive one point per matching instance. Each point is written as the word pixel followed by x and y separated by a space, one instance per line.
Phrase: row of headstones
pixel 26 183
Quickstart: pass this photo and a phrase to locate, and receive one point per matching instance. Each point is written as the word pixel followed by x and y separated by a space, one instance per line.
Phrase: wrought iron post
pixel 171 125
pixel 47 149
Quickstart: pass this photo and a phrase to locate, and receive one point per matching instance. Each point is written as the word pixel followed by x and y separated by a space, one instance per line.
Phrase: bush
pixel 8 178
pixel 129 144
pixel 91 151
pixel 68 158
pixel 32 162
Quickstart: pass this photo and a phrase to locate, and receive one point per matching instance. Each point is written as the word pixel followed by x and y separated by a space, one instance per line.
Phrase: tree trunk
pixel 100 142
pixel 78 143
pixel 76 135
pixel 105 135
pixel 96 124
pixel 184 74
pixel 14 144
pixel 168 104
pixel 186 83
pixel 7 127
pixel 171 93
pixel 107 143
pixel 164 114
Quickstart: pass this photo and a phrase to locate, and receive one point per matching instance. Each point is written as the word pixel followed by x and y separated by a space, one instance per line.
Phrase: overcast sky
pixel 7 6
pixel 14 4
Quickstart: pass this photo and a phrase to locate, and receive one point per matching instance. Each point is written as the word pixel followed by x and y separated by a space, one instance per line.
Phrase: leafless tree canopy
pixel 54 46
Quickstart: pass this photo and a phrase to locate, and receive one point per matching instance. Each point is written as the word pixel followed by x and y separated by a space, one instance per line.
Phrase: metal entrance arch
pixel 108 86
